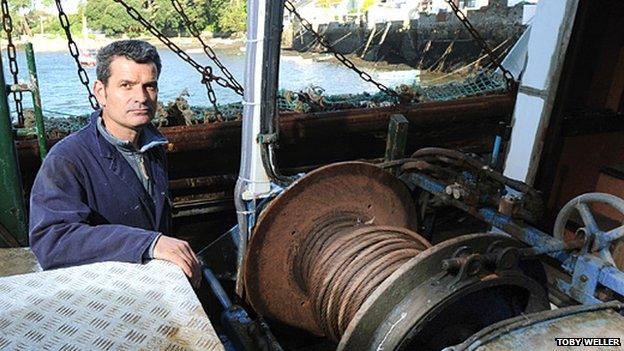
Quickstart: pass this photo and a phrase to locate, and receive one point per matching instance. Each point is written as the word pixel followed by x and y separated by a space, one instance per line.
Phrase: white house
pixel 435 6
pixel 335 11
pixel 382 11
pixel 393 10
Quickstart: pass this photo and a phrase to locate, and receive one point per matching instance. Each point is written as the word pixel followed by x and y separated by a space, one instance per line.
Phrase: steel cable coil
pixel 343 263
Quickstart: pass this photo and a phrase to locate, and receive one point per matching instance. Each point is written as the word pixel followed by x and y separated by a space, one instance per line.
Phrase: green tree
pixel 21 12
pixel 217 15
pixel 233 17
pixel 198 11
pixel 111 18
pixel 16 5
pixel 228 15
pixel 52 25
pixel 163 16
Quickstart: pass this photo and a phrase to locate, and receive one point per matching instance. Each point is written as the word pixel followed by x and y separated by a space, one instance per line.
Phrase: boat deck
pixel 104 306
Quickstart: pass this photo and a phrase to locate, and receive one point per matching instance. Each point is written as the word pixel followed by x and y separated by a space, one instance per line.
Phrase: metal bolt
pixel 508 258
pixel 451 264
pixel 457 194
pixel 474 266
pixel 584 278
pixel 448 190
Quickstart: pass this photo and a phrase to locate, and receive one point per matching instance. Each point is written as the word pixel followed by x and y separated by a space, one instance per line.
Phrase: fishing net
pixel 482 83
pixel 308 100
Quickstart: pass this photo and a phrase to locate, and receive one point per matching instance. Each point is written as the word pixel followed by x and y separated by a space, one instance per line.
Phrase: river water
pixel 62 91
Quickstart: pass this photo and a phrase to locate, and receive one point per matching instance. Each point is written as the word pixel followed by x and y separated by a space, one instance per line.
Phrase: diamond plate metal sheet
pixel 104 306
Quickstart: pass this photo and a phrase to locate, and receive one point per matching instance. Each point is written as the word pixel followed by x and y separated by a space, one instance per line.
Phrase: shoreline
pixel 49 43
pixel 359 62
pixel 235 44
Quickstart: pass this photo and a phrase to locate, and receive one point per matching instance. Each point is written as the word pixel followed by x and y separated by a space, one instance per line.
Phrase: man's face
pixel 130 96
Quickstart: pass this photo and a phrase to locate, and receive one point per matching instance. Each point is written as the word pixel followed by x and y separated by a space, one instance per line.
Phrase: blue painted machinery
pixel 586 256
pixel 342 252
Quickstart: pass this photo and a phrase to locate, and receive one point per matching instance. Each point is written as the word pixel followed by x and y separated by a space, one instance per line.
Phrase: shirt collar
pixel 150 137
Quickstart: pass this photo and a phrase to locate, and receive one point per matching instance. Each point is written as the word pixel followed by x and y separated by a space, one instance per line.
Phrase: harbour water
pixel 63 93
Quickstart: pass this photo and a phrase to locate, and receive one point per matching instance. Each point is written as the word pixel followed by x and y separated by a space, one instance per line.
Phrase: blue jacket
pixel 87 204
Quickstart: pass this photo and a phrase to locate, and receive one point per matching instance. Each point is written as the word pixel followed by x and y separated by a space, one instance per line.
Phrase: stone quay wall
pixel 434 42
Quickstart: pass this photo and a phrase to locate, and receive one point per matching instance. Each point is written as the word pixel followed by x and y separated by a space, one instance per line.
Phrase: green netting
pixel 310 99
pixel 479 84
pixel 313 99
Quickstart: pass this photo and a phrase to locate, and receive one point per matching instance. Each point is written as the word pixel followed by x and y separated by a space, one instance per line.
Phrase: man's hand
pixel 179 252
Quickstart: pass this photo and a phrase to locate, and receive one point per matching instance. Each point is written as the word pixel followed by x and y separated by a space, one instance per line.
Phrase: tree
pixel 228 15
pixel 52 25
pixel 198 11
pixel 163 16
pixel 233 17
pixel 111 18
pixel 217 15
pixel 21 12
pixel 17 5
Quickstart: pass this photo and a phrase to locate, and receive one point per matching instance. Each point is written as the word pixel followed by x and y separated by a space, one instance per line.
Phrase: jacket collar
pixel 151 137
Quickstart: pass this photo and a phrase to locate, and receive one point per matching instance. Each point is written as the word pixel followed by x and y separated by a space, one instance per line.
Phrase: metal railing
pixel 12 207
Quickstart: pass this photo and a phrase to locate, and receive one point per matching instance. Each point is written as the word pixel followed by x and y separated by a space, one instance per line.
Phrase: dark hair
pixel 135 50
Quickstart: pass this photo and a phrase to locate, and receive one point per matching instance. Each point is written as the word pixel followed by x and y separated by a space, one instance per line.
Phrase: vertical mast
pixel 253 181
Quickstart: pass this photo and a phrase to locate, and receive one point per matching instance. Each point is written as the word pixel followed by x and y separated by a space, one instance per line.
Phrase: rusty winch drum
pixel 337 254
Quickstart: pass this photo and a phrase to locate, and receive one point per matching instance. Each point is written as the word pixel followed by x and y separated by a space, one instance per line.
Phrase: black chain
pixel 484 46
pixel 207 49
pixel 12 55
pixel 211 95
pixel 345 61
pixel 204 71
pixel 73 51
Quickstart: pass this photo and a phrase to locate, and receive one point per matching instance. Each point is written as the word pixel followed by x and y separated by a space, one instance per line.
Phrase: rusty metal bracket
pixel 21 87
pixel 528 90
pixel 397 137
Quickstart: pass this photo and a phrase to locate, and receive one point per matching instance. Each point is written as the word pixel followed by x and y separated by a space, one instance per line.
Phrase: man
pixel 102 193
